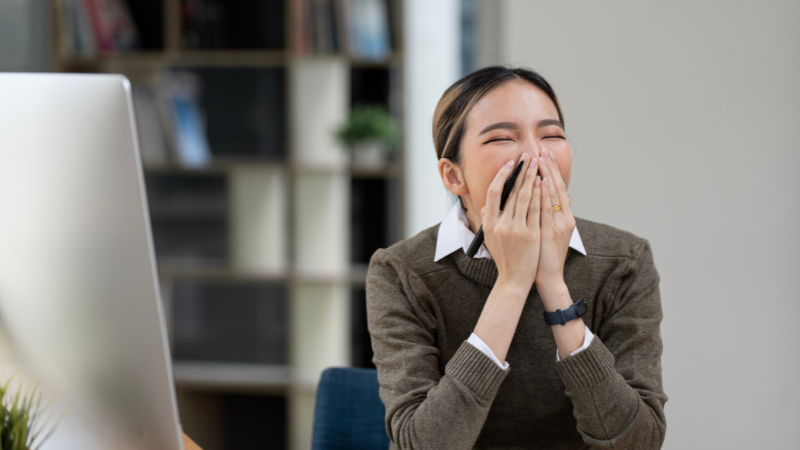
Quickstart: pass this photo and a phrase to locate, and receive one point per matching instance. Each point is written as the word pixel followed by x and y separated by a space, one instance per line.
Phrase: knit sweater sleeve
pixel 424 408
pixel 615 384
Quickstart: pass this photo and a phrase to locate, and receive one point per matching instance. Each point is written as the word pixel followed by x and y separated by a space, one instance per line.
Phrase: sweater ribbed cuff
pixel 587 368
pixel 476 370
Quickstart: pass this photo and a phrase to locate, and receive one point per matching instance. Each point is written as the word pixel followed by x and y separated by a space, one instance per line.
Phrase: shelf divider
pixel 258 199
pixel 318 104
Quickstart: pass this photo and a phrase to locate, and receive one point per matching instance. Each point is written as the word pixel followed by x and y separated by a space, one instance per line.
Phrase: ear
pixel 452 177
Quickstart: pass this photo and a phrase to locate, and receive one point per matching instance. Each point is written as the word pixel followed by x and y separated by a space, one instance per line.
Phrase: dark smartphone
pixel 509 184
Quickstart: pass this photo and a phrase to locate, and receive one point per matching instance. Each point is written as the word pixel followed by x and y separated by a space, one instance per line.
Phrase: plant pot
pixel 369 153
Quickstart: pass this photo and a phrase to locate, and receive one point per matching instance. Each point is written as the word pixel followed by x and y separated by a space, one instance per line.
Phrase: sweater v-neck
pixel 483 270
pixel 480 270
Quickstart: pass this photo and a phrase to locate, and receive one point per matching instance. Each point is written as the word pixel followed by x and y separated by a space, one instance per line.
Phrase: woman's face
pixel 511 119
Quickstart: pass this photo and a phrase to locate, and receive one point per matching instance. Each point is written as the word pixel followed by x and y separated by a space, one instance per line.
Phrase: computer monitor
pixel 79 293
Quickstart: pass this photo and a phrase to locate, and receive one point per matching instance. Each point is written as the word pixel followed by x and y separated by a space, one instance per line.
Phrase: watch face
pixel 580 308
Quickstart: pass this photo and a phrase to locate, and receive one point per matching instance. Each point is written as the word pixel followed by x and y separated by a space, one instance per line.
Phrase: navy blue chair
pixel 349 414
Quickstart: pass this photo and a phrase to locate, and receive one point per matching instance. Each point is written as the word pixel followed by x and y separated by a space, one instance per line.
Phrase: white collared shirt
pixel 454 233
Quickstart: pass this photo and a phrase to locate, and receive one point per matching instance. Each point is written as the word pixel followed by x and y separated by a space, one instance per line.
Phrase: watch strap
pixel 561 317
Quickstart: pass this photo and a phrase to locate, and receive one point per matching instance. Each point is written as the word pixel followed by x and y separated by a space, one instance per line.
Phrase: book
pixel 120 30
pixel 89 27
pixel 359 28
pixel 84 41
pixel 191 142
pixel 299 13
pixel 369 29
pixel 98 25
pixel 64 41
pixel 149 126
pixel 178 97
pixel 343 23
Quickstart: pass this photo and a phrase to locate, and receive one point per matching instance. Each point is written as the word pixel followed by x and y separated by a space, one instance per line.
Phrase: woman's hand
pixel 556 231
pixel 512 235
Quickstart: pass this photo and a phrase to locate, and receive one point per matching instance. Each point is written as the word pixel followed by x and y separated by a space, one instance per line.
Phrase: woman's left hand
pixel 556 229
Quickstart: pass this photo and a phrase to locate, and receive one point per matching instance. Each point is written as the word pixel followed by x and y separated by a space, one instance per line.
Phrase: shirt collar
pixel 454 233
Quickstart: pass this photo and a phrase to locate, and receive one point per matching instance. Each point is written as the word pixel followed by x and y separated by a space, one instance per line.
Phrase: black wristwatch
pixel 560 317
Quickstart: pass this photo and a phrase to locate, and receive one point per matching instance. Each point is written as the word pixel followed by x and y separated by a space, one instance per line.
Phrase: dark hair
pixel 456 102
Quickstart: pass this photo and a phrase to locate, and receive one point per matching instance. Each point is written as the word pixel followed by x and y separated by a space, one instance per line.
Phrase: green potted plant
pixel 23 426
pixel 370 134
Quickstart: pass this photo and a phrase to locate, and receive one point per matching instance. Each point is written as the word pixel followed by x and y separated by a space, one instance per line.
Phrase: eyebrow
pixel 494 126
pixel 548 122
pixel 513 126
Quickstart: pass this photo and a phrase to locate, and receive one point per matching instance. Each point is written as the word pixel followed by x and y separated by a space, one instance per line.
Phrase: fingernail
pixel 534 162
pixel 526 156
pixel 537 181
pixel 510 163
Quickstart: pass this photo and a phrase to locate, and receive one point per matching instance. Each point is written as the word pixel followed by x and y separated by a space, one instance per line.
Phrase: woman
pixel 464 356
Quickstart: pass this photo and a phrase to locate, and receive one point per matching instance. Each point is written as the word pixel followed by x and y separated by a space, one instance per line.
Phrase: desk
pixel 189 444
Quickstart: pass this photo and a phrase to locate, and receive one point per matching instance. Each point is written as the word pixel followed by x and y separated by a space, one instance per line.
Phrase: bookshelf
pixel 263 251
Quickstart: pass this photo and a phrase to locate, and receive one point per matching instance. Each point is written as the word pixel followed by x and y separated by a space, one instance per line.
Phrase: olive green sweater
pixel 442 393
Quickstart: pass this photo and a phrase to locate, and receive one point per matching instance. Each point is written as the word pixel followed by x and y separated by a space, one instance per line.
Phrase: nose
pixel 533 148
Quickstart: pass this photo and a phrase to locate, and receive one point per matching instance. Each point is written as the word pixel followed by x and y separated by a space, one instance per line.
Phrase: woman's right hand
pixel 512 235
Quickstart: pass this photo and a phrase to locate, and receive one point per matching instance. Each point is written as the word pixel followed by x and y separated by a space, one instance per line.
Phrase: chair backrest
pixel 349 414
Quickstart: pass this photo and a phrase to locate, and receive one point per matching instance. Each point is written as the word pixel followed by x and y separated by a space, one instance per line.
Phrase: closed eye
pixel 497 139
pixel 557 137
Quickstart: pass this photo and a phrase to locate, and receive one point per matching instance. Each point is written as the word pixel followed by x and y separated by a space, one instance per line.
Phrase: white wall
pixel 686 121
pixel 431 33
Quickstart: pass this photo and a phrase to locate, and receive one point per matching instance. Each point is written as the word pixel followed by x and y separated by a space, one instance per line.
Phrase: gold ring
pixel 557 208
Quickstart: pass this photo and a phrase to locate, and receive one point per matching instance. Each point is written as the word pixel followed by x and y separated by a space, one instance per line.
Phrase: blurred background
pixel 284 141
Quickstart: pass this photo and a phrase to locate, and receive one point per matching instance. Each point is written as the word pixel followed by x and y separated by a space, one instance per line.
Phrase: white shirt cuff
pixel 480 345
pixel 587 339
